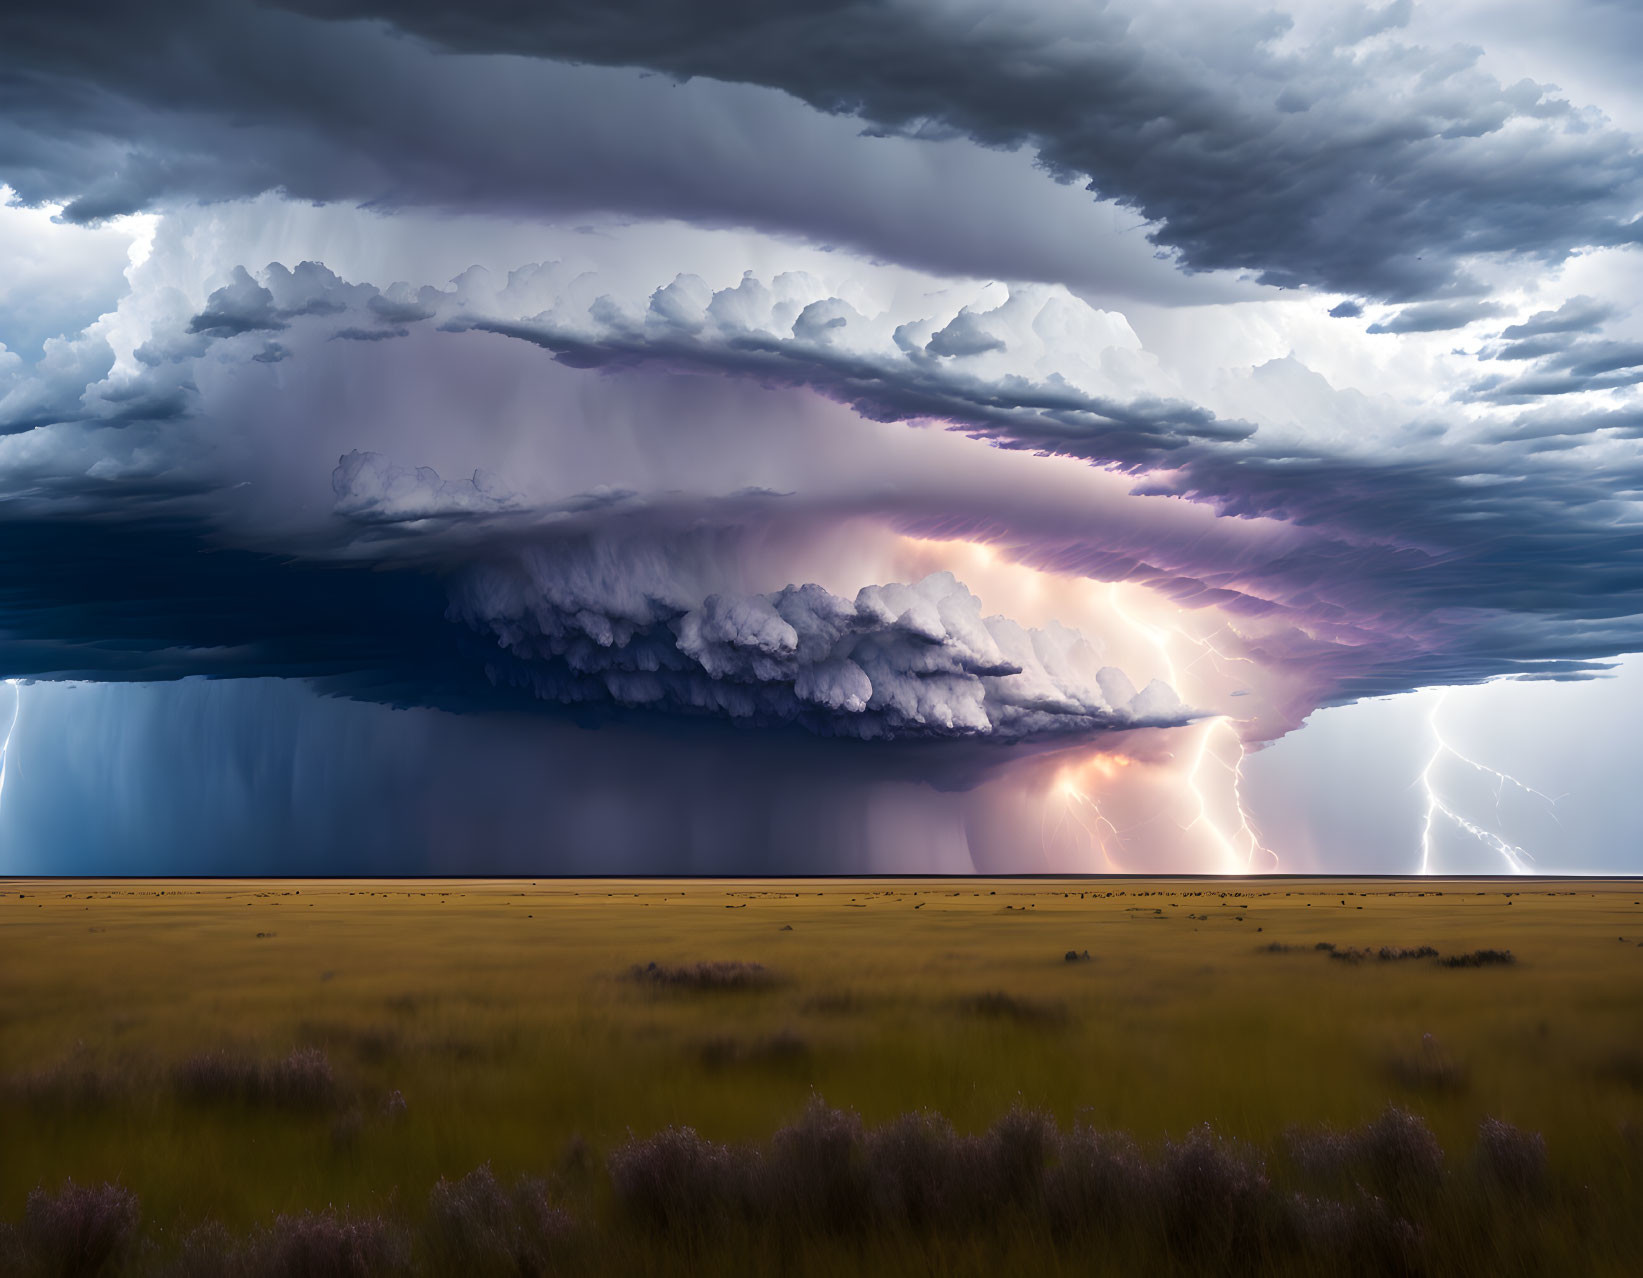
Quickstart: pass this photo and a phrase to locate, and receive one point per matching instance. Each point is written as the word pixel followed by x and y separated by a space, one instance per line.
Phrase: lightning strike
pixel 1077 805
pixel 1239 849
pixel 11 727
pixel 1516 858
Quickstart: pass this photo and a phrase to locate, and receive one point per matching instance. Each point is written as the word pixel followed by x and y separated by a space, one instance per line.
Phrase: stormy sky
pixel 825 437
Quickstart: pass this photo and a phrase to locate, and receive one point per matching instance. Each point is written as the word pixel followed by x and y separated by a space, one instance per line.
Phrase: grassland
pixel 503 1023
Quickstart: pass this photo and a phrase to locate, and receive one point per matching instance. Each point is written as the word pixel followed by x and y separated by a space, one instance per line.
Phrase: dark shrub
pixel 1393 953
pixel 1099 1178
pixel 1322 1153
pixel 207 1251
pixel 1324 945
pixel 998 1006
pixel 815 1175
pixel 722 975
pixel 1077 956
pixel 302 1080
pixel 477 1227
pixel 217 1076
pixel 325 1245
pixel 678 1179
pixel 1214 1196
pixel 13 1257
pixel 1479 958
pixel 76 1084
pixel 81 1229
pixel 1429 1069
pixel 1396 1155
pixel 1011 1158
pixel 1276 947
pixel 911 1162
pixel 1361 1237
pixel 1510 1158
pixel 1400 1156
pixel 781 1048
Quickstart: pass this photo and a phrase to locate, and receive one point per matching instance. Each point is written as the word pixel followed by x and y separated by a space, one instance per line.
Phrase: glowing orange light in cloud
pixel 1196 817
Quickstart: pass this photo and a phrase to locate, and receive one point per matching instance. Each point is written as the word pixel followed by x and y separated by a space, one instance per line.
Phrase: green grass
pixel 505 1014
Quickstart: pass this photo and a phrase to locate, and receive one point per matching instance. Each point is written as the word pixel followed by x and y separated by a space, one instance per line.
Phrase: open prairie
pixel 246 1053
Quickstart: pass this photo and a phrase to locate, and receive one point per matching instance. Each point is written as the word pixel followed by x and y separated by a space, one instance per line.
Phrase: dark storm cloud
pixel 600 625
pixel 111 109
pixel 1565 363
pixel 1371 169
pixel 1367 575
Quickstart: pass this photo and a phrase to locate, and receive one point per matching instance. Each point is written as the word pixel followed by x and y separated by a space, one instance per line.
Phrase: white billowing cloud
pixel 602 622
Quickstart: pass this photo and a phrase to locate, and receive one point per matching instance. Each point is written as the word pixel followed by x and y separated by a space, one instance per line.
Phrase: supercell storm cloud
pixel 824 437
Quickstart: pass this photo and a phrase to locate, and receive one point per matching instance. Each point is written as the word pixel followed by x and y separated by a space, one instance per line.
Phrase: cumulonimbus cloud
pixel 1382 573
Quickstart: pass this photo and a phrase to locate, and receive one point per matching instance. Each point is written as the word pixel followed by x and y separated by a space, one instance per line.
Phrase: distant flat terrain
pixel 235 1049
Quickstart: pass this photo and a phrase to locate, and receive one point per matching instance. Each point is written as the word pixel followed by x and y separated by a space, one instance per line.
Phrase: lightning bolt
pixel 1239 849
pixel 11 727
pixel 1080 807
pixel 1516 859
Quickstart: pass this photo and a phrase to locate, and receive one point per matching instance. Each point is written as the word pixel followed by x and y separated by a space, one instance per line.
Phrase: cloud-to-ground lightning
pixel 11 727
pixel 1239 849
pixel 1516 858
pixel 1074 803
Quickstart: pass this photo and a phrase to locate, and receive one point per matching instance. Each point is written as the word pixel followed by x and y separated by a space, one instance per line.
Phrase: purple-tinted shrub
pixel 1010 1159
pixel 1213 1195
pixel 1480 958
pixel 1097 1179
pixel 996 1005
pixel 207 1251
pixel 911 1163
pixel 1510 1158
pixel 677 1178
pixel 1396 1157
pixel 1400 1156
pixel 301 1080
pixel 814 1174
pixel 81 1229
pixel 477 1227
pixel 325 1245
pixel 1363 1236
pixel 718 975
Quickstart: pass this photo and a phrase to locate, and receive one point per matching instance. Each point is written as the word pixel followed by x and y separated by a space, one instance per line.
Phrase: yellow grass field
pixel 506 1016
